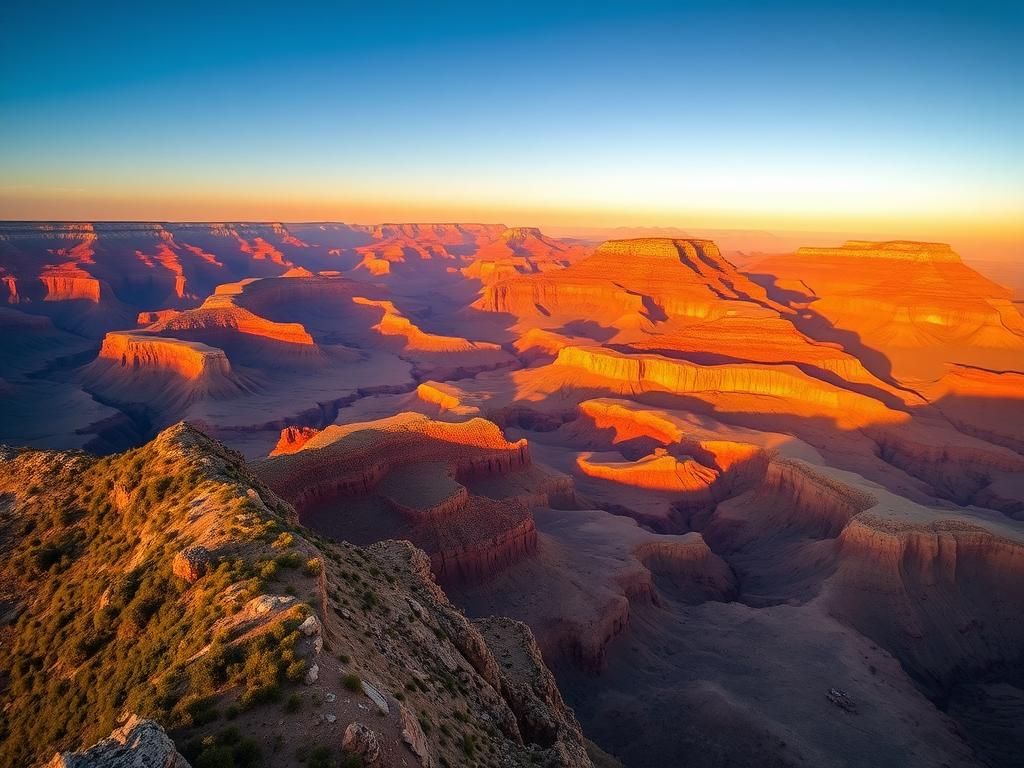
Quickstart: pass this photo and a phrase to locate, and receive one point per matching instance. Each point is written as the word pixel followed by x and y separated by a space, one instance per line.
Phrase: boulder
pixel 191 563
pixel 310 627
pixel 363 743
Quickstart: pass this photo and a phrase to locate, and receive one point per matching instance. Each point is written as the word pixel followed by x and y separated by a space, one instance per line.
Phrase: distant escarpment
pixel 907 309
pixel 655 278
pixel 897 250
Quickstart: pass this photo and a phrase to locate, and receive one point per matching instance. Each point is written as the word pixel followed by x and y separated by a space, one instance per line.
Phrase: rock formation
pixel 136 744
pixel 906 308
pixel 416 478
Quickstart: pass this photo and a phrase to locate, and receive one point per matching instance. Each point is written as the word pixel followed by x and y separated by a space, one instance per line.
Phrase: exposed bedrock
pixel 780 536
pixel 961 470
pixel 213 318
pixel 353 459
pixel 648 569
pixel 418 479
pixel 483 537
pixel 666 278
pixel 61 287
pixel 944 596
pixel 688 571
pixel 530 689
pixel 293 438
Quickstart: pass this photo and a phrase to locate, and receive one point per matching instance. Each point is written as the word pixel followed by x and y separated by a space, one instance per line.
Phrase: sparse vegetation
pixel 352 682
pixel 112 616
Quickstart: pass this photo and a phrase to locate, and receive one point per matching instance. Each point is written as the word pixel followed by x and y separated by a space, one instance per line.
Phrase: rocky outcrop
pixel 943 595
pixel 423 470
pixel 59 286
pixel 293 438
pixel 165 374
pixel 146 353
pixel 136 744
pixel 531 691
pixel 413 736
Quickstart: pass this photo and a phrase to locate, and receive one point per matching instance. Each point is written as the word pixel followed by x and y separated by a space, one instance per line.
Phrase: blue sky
pixel 724 113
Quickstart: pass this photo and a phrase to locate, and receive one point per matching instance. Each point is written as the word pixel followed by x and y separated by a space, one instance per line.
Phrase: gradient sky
pixel 718 114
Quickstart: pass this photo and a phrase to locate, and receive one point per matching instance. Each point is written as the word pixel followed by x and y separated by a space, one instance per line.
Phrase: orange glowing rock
pixel 657 472
pixel 654 278
pixel 293 438
pixel 915 304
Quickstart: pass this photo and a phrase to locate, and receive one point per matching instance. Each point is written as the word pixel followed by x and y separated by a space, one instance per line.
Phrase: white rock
pixel 310 627
pixel 312 674
pixel 264 604
pixel 331 718
pixel 377 698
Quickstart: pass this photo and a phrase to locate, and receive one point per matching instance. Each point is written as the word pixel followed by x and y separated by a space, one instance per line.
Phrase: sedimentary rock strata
pixel 422 472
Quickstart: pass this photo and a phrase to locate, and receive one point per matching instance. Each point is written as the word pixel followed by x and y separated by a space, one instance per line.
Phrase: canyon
pixel 766 510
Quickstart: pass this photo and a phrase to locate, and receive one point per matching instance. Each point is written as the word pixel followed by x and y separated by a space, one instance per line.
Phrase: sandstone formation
pixel 170 373
pixel 414 477
pixel 906 308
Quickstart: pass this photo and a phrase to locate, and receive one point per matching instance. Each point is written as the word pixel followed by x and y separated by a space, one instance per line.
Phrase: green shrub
pixel 352 682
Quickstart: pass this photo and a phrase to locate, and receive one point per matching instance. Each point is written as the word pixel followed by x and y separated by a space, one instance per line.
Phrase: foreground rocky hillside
pixel 168 583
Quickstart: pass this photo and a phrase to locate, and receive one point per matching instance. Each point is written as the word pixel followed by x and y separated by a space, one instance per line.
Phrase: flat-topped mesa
pixel 294 293
pixel 899 250
pixel 655 277
pixel 216 315
pixel 67 285
pixel 145 352
pixel 162 373
pixel 353 459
